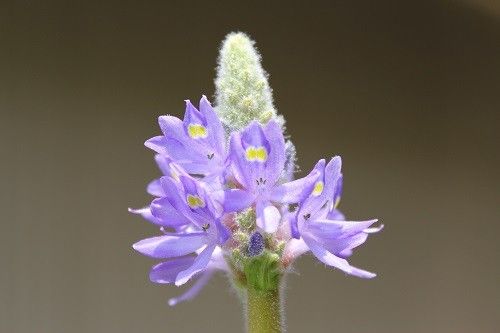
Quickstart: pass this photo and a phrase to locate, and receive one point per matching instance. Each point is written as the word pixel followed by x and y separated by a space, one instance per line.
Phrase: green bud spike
pixel 242 90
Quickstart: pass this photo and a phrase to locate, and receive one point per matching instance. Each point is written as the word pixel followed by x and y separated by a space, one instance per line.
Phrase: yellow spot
pixel 195 201
pixel 197 131
pixel 318 188
pixel 256 154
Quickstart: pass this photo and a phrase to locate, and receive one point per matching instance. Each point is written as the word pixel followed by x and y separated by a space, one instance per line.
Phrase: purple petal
pixel 192 115
pixel 235 200
pixel 335 214
pixel 295 191
pixel 194 290
pixel 331 260
pixel 168 167
pixel 166 214
pixel 253 135
pixel 163 163
pixel 222 232
pixel 145 213
pixel 294 227
pixel 276 160
pixel 184 154
pixel 214 125
pixel 332 176
pixel 339 245
pixel 198 265
pixel 171 245
pixel 239 167
pixel 154 188
pixel 166 272
pixel 173 127
pixel 158 144
pixel 337 193
pixel 331 228
pixel 175 193
pixel 345 254
pixel 373 230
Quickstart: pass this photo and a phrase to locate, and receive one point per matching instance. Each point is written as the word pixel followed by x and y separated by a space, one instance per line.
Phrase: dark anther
pixel 210 156
pixel 325 204
pixel 205 227
pixel 307 216
pixel 261 181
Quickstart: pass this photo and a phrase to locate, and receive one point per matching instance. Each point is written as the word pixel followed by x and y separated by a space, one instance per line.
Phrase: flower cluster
pixel 222 203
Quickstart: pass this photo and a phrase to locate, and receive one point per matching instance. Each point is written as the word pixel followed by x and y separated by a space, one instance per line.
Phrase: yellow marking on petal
pixel 195 201
pixel 197 131
pixel 318 188
pixel 256 154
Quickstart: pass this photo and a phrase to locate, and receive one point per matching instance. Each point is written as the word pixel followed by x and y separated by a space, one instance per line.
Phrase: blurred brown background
pixel 408 92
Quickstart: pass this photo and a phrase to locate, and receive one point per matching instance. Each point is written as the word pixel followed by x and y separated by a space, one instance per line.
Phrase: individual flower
pixel 257 159
pixel 320 226
pixel 188 209
pixel 196 143
pixel 168 168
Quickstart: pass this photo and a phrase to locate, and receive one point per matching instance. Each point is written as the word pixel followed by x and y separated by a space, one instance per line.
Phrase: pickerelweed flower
pixel 227 199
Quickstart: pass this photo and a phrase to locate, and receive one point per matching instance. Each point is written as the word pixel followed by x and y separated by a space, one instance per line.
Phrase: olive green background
pixel 408 92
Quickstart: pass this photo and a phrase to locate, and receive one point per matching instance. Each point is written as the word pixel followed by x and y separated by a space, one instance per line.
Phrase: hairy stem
pixel 264 313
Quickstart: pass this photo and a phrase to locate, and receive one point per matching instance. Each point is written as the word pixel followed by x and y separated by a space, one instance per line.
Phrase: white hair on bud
pixel 242 91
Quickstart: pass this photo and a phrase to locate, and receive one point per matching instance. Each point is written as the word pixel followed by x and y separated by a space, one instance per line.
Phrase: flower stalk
pixel 264 312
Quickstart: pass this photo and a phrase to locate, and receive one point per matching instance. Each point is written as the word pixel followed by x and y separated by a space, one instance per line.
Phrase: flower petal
pixel 166 214
pixel 154 188
pixel 166 272
pixel 331 260
pixel 330 228
pixel 295 191
pixel 214 125
pixel 145 213
pixel 194 290
pixel 235 200
pixel 336 215
pixel 339 245
pixel 198 265
pixel 332 176
pixel 158 144
pixel 171 245
pixel 239 168
pixel 276 160
pixel 373 230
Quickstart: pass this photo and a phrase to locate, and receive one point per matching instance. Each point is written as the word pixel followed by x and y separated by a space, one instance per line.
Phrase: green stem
pixel 264 313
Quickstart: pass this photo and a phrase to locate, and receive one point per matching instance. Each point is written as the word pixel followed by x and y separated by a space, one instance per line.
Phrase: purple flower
pixel 186 208
pixel 196 143
pixel 168 168
pixel 202 186
pixel 321 227
pixel 257 157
